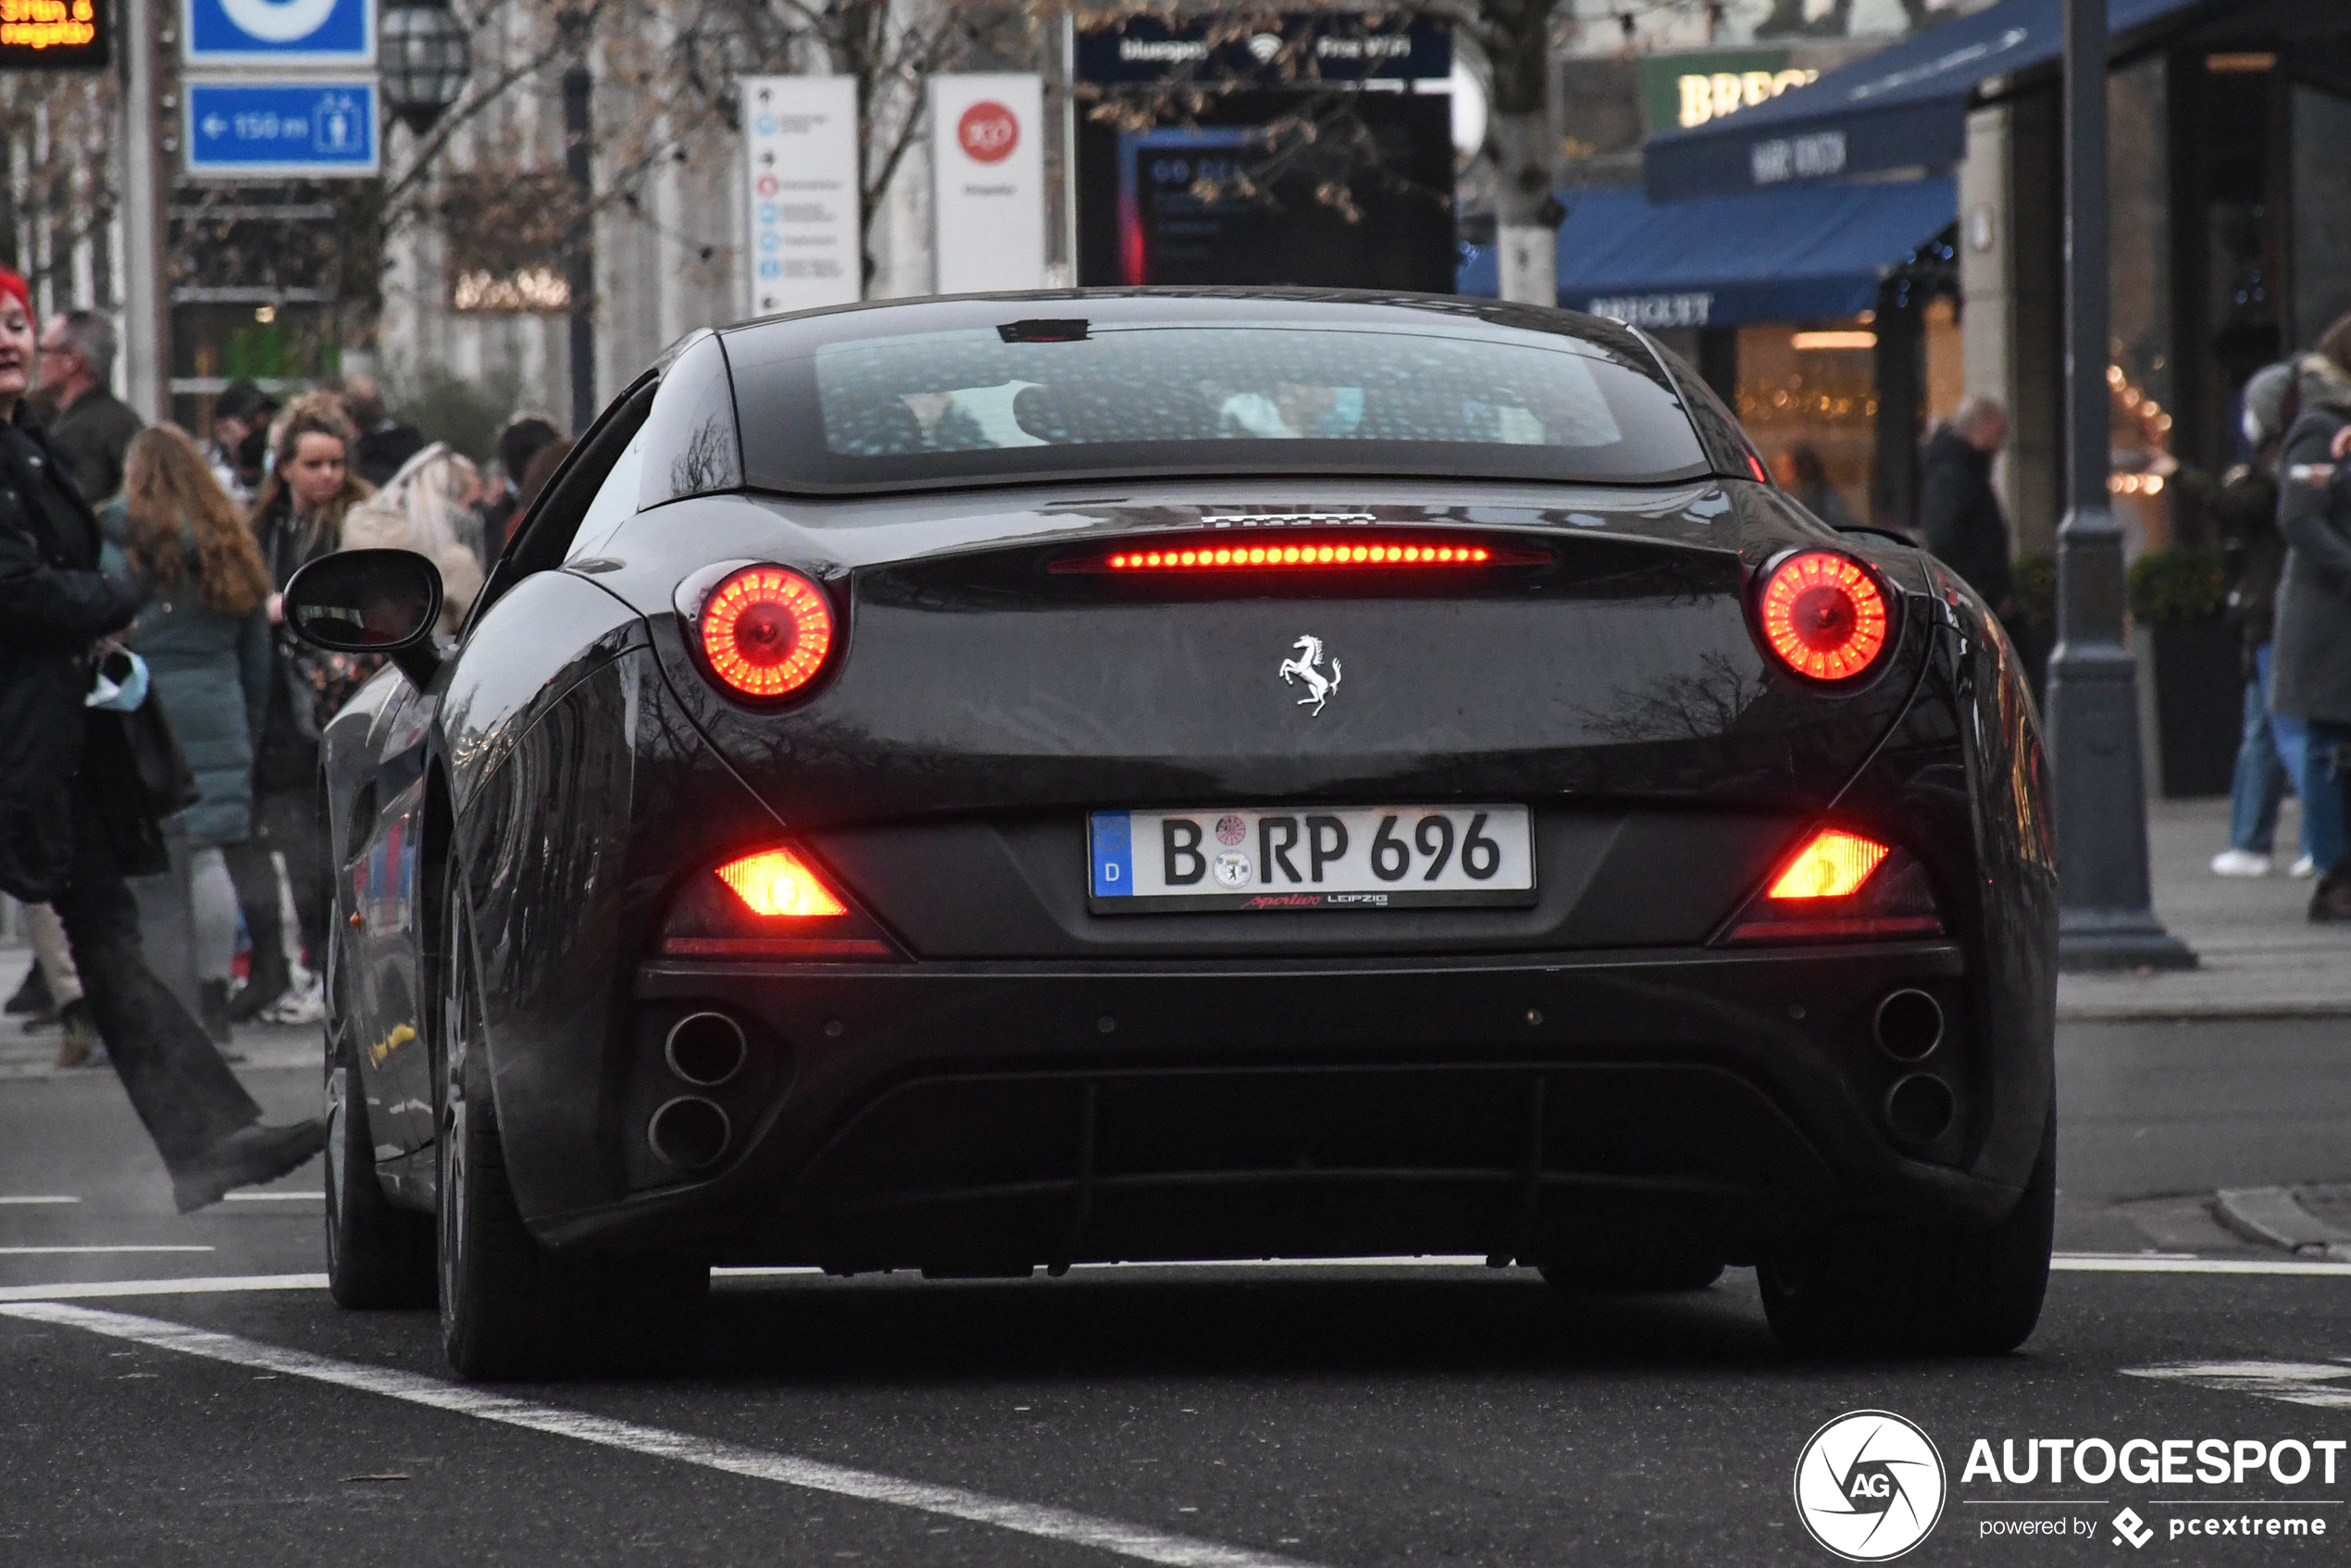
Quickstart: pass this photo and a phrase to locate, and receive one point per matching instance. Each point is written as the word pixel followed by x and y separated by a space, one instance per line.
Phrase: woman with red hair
pixel 74 818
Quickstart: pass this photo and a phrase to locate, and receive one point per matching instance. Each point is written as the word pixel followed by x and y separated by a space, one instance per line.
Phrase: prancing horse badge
pixel 1319 686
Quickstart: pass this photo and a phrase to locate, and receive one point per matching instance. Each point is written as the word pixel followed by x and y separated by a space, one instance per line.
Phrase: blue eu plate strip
pixel 1113 854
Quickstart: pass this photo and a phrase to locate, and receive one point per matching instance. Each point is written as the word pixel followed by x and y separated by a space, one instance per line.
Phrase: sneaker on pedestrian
pixel 2240 862
pixel 306 1003
pixel 249 1157
pixel 2304 869
pixel 32 997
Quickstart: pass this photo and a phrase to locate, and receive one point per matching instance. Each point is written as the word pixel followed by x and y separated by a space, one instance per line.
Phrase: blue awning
pixel 1903 108
pixel 1809 254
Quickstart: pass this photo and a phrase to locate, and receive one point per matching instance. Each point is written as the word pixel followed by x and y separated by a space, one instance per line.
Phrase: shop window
pixel 1809 394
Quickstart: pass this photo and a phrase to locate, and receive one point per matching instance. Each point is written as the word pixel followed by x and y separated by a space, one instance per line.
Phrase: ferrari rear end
pixel 1259 776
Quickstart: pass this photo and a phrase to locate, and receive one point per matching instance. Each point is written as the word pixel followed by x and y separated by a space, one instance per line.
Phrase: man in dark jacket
pixel 384 444
pixel 75 819
pixel 1965 527
pixel 92 426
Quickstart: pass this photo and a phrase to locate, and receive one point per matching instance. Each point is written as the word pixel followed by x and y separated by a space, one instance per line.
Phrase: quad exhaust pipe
pixel 1909 1024
pixel 706 1049
pixel 690 1133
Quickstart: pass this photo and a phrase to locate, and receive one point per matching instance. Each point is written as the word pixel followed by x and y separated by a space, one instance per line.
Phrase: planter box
pixel 2199 705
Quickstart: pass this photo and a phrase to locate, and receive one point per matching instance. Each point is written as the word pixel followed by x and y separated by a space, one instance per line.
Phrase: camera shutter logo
pixel 1870 1485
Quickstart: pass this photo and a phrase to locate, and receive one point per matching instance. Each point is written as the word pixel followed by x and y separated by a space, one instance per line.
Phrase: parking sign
pixel 282 129
pixel 336 33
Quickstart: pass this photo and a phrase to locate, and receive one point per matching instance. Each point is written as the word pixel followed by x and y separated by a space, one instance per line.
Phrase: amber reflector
pixel 766 631
pixel 1246 557
pixel 1833 865
pixel 778 882
pixel 1824 616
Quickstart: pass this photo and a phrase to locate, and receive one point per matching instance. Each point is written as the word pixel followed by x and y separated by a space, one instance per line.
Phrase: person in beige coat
pixel 428 507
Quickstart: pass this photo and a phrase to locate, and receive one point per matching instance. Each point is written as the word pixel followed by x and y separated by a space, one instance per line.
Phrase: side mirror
pixel 370 602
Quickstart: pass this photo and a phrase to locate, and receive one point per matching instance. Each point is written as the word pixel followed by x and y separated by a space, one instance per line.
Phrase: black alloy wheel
pixel 509 1306
pixel 1892 1293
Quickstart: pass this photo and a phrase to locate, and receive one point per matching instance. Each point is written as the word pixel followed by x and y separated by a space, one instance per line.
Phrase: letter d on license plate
pixel 1297 857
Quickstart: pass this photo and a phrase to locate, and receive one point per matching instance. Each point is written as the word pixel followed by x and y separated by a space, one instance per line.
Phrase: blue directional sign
pixel 282 129
pixel 335 34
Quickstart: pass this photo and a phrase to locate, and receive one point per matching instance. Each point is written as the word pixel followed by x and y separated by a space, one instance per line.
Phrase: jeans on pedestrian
pixel 177 1083
pixel 2326 791
pixel 2322 816
pixel 212 914
pixel 2260 775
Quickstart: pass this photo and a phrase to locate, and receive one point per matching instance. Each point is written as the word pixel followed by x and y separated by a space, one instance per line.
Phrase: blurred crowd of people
pixel 2285 518
pixel 118 539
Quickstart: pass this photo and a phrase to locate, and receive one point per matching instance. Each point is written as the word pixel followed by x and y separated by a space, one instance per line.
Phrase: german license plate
pixel 1272 858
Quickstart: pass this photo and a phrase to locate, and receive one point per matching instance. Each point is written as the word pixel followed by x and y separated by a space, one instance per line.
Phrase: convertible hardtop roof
pixel 776 335
pixel 976 388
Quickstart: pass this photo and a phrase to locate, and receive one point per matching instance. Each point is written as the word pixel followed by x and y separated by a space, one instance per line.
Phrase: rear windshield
pixel 1069 397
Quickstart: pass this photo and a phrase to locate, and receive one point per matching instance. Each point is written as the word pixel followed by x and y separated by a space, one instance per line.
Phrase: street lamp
pixel 424 55
pixel 2104 918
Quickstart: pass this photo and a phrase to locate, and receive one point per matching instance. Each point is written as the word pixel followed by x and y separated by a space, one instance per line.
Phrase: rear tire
pixel 377 1255
pixel 1975 1294
pixel 509 1306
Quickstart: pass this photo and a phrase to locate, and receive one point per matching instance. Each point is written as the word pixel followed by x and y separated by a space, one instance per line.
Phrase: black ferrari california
pixel 988 784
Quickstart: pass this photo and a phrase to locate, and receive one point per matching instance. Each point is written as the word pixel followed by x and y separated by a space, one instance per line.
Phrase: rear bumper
pixel 985 1117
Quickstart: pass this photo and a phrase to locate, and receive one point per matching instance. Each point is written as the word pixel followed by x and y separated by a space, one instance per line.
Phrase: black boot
pixel 32 996
pixel 246 1158
pixel 212 1006
pixel 2331 899
pixel 268 982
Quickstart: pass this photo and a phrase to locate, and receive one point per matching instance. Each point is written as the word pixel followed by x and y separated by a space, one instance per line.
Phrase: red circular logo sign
pixel 988 131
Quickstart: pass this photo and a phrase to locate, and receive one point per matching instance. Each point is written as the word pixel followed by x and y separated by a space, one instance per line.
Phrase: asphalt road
pixel 1368 1414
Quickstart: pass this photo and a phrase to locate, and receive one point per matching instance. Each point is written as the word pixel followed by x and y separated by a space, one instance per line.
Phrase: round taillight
pixel 1824 616
pixel 765 631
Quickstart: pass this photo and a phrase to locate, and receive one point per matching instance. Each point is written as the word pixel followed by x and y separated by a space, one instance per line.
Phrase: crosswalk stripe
pixel 2325 1385
pixel 736 1459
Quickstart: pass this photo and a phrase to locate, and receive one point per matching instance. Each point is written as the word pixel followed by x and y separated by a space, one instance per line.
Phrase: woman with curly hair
pixel 297 517
pixel 206 638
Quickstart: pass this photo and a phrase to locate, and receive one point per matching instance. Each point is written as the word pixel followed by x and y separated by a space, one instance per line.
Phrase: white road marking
pixel 275 1197
pixel 60 1251
pixel 98 1289
pixel 1464 1261
pixel 6 1201
pixel 2099 1263
pixel 734 1459
pixel 2295 1383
